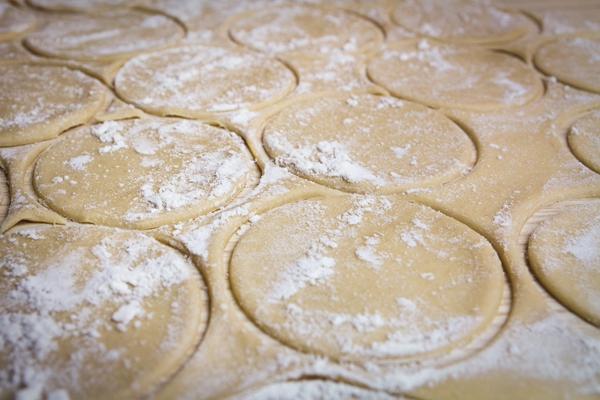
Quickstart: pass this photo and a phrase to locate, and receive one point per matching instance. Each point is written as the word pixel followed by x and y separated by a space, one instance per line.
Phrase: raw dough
pixel 94 313
pixel 106 36
pixel 459 20
pixel 574 61
pixel 198 81
pixel 358 278
pixel 584 140
pixel 306 29
pixel 143 173
pixel 14 21
pixel 39 102
pixel 456 77
pixel 564 253
pixel 366 143
pixel 78 5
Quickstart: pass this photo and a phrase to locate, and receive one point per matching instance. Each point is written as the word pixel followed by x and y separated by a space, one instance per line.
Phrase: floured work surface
pixel 320 200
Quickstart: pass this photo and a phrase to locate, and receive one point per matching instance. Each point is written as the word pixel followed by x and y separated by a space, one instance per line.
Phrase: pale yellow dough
pixel 456 77
pixel 14 21
pixel 366 278
pixel 573 61
pixel 366 143
pixel 78 5
pixel 103 36
pixel 39 102
pixel 584 140
pixel 564 253
pixel 94 313
pixel 199 81
pixel 305 29
pixel 142 173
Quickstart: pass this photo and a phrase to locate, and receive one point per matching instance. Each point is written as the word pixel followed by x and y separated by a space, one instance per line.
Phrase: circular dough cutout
pixel 564 254
pixel 305 29
pixel 456 77
pixel 94 313
pixel 78 5
pixel 356 278
pixel 573 61
pixel 39 102
pixel 198 81
pixel 14 20
pixel 366 143
pixel 584 140
pixel 141 174
pixel 104 36
pixel 459 20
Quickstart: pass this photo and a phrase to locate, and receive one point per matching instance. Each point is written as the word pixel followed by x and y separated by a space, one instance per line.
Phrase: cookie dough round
pixel 584 140
pixel 456 77
pixel 355 278
pixel 78 5
pixel 573 61
pixel 94 313
pixel 305 29
pixel 366 143
pixel 199 81
pixel 564 253
pixel 14 21
pixel 141 174
pixel 459 20
pixel 104 36
pixel 39 102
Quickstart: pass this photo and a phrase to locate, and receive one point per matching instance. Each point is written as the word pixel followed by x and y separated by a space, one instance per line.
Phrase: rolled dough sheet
pixel 200 81
pixel 90 312
pixel 40 102
pixel 455 76
pixel 584 140
pixel 78 5
pixel 564 253
pixel 366 143
pixel 103 36
pixel 141 174
pixel 366 278
pixel 573 61
pixel 14 20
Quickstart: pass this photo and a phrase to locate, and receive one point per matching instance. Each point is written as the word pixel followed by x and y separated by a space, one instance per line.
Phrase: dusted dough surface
pixel 457 77
pixel 365 143
pixel 14 21
pixel 39 102
pixel 94 312
pixel 142 174
pixel 573 61
pixel 78 5
pixel 359 278
pixel 198 81
pixel 584 140
pixel 565 256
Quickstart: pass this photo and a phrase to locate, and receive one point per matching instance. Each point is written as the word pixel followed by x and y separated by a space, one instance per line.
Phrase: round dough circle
pixel 564 253
pixel 356 278
pixel 573 61
pixel 455 77
pixel 106 36
pixel 584 140
pixel 141 174
pixel 305 29
pixel 78 5
pixel 459 20
pixel 39 102
pixel 96 312
pixel 198 81
pixel 14 20
pixel 366 143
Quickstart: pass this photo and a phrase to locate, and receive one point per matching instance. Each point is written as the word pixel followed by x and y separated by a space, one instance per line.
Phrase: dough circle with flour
pixel 90 312
pixel 14 21
pixel 584 140
pixel 564 253
pixel 141 174
pixel 367 143
pixel 105 36
pixel 305 29
pixel 39 102
pixel 357 278
pixel 573 61
pixel 456 77
pixel 198 81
